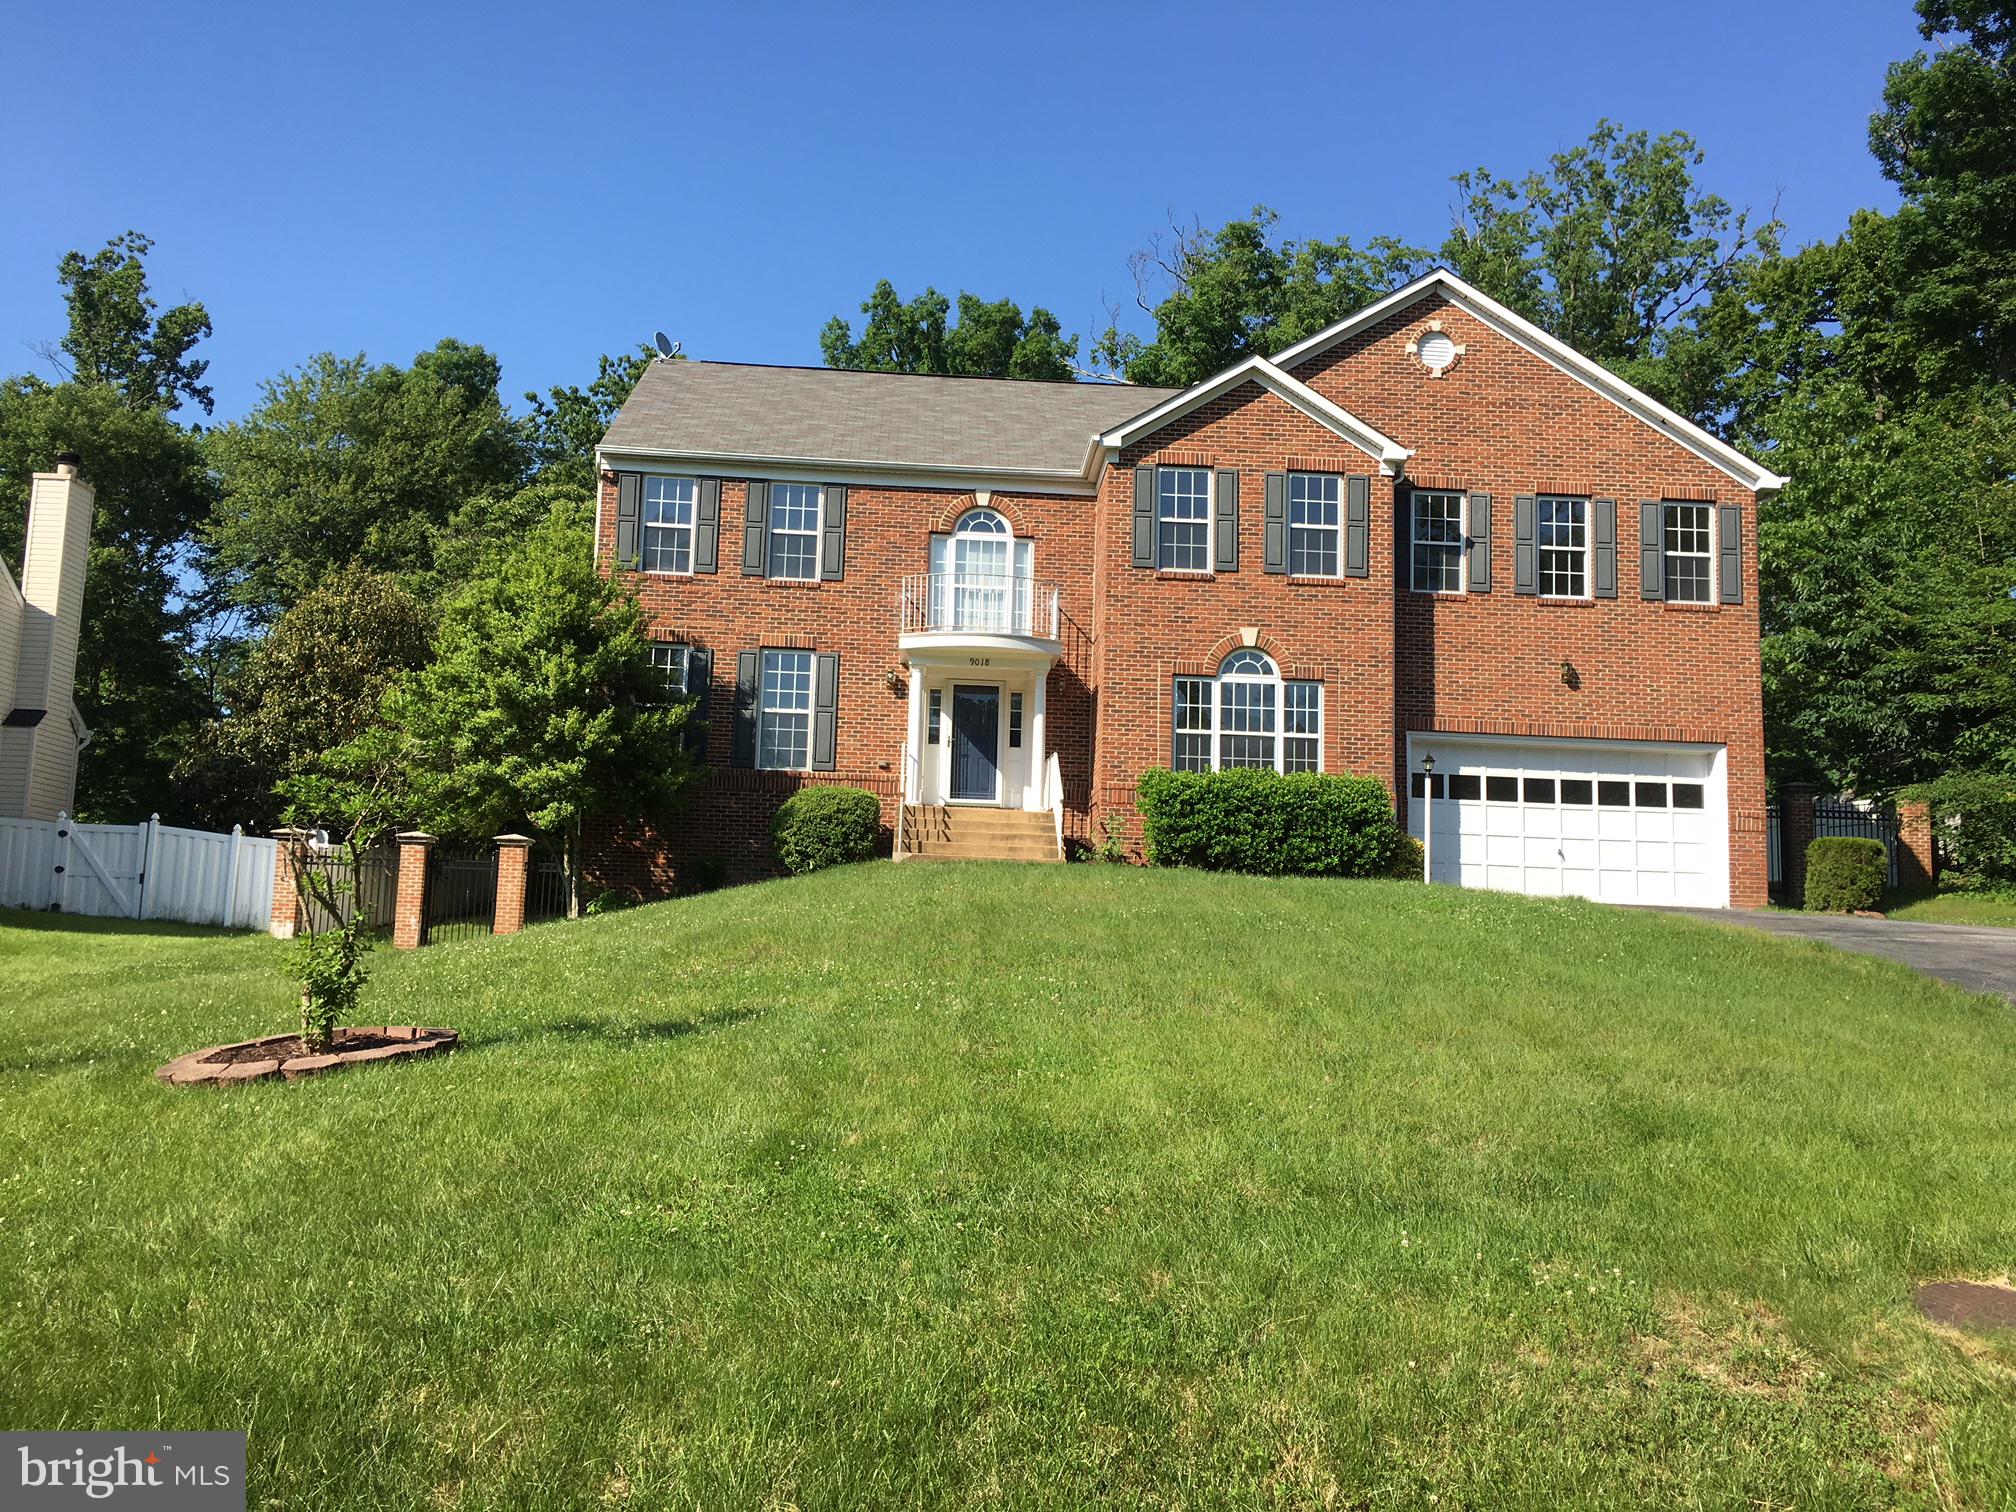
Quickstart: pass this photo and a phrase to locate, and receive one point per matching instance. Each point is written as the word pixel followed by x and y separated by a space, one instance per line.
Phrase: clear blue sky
pixel 556 181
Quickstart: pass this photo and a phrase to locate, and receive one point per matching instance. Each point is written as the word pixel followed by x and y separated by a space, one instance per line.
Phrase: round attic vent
pixel 1437 350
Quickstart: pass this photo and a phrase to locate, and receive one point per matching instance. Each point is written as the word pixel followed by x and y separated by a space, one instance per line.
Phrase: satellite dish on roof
pixel 667 347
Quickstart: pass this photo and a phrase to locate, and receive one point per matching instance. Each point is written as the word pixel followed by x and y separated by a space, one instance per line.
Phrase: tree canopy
pixel 347 464
pixel 991 340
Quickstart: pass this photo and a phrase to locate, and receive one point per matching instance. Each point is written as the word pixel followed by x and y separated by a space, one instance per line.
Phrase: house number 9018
pixel 979 661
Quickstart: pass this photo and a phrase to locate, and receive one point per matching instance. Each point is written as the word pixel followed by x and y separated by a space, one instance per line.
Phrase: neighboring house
pixel 1431 530
pixel 40 731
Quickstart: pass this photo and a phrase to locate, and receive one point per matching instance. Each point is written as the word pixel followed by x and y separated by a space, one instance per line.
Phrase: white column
pixel 1039 740
pixel 915 765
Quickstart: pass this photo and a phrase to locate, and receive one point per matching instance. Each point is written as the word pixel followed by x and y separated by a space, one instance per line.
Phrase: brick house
pixel 1431 532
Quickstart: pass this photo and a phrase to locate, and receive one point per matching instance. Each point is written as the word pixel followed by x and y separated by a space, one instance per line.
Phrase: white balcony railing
pixel 980 603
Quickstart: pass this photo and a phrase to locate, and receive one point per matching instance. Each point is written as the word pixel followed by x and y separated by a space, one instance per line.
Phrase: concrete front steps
pixel 977 834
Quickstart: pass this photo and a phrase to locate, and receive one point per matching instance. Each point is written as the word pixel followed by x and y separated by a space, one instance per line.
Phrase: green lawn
pixel 1035 1187
pixel 1997 908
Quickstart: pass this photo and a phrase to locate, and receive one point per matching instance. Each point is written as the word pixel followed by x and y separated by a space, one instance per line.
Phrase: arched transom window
pixel 980 574
pixel 1248 716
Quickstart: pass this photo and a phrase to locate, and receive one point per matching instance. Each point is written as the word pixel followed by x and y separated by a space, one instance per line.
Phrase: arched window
pixel 980 575
pixel 1248 716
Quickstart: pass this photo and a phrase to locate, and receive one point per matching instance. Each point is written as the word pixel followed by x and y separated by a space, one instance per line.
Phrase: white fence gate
pixel 137 871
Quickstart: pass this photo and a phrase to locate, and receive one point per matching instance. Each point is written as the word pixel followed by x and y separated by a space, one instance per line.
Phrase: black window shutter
pixel 707 526
pixel 1144 517
pixel 629 509
pixel 699 683
pixel 748 685
pixel 1274 540
pixel 1606 549
pixel 756 529
pixel 1225 505
pixel 1525 552
pixel 1651 550
pixel 1729 540
pixel 1357 526
pixel 833 534
pixel 825 706
pixel 1480 542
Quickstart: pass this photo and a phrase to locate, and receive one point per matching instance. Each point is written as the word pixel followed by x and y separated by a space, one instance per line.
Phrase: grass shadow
pixel 48 921
pixel 619 1032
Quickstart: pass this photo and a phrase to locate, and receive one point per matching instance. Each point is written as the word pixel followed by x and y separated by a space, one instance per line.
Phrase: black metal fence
pixel 545 890
pixel 461 893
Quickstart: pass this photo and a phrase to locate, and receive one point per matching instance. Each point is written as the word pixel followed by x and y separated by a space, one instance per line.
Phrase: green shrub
pixel 1301 824
pixel 1409 860
pixel 826 826
pixel 1974 817
pixel 1844 874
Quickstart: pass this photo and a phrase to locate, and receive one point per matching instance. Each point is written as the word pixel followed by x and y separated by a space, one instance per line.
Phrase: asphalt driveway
pixel 1977 958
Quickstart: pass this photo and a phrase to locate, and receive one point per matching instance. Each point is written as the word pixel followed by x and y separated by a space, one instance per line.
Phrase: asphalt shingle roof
pixel 893 419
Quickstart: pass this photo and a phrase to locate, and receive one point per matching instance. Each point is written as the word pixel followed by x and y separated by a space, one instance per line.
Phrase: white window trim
pixel 1337 530
pixel 1462 543
pixel 685 656
pixel 764 707
pixel 770 532
pixel 691 527
pixel 1588 548
pixel 1209 521
pixel 1714 552
pixel 1216 683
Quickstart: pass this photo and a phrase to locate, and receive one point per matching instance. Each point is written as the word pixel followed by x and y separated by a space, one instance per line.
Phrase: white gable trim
pixel 1391 455
pixel 1523 333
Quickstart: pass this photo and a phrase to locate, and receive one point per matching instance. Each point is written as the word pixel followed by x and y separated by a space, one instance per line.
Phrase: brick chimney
pixel 40 734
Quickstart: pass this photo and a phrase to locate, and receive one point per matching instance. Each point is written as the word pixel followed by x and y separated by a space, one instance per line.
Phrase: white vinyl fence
pixel 137 871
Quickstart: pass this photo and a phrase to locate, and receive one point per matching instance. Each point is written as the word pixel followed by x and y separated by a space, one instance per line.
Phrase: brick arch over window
pixel 1208 664
pixel 1007 506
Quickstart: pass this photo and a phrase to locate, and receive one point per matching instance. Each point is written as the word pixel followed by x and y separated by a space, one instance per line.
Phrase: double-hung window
pixel 1247 716
pixel 784 715
pixel 1562 531
pixel 1438 540
pixel 1302 727
pixel 1183 519
pixel 1315 510
pixel 668 523
pixel 670 663
pixel 1688 546
pixel 794 531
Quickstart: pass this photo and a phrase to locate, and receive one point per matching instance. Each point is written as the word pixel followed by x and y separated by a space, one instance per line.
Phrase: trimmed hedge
pixel 1409 862
pixel 826 826
pixel 1301 824
pixel 1845 874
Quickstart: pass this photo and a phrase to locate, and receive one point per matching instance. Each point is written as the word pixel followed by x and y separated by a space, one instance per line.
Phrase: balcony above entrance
pixel 994 614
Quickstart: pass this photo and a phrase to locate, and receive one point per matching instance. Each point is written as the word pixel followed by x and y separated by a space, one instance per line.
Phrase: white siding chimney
pixel 39 734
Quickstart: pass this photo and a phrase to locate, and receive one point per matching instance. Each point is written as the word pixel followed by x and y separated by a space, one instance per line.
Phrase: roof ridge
pixel 1081 384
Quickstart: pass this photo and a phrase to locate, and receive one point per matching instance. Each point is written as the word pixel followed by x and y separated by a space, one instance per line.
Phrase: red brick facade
pixel 1501 420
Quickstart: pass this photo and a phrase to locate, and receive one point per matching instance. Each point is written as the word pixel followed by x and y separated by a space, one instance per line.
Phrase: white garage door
pixel 1622 823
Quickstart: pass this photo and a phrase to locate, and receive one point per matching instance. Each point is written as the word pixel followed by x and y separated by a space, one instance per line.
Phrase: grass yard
pixel 1028 1187
pixel 1995 908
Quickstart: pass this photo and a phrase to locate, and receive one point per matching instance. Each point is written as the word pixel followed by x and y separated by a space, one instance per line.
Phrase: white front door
pixel 1615 821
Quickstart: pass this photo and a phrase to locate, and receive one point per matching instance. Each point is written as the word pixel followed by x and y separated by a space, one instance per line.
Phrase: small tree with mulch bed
pixel 352 800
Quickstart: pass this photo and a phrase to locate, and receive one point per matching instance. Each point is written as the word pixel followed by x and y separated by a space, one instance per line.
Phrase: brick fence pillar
pixel 1795 832
pixel 409 914
pixel 1917 861
pixel 514 855
pixel 288 854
